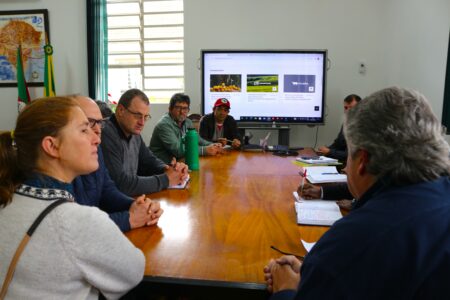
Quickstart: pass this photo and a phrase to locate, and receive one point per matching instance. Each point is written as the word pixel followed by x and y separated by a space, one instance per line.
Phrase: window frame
pixel 143 53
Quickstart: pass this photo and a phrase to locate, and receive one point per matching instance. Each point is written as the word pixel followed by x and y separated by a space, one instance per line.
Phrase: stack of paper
pixel 324 174
pixel 316 212
pixel 319 160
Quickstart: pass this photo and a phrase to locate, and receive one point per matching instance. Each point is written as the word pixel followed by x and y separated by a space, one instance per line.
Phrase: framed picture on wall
pixel 28 29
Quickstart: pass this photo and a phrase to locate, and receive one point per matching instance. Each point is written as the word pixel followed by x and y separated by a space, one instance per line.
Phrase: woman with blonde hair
pixel 75 251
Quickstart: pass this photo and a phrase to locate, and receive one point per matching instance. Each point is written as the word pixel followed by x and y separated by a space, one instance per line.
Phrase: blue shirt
pixel 395 244
pixel 97 189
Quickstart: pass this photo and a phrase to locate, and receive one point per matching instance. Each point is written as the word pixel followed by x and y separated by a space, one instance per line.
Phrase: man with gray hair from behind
pixel 395 243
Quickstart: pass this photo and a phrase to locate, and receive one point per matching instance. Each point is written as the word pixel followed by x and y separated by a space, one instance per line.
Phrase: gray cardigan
pixel 132 166
pixel 75 252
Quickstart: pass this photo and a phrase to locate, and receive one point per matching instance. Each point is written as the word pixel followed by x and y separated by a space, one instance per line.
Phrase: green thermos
pixel 191 146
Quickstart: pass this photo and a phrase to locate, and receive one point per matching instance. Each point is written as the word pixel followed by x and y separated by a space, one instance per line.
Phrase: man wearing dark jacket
pixel 219 126
pixel 338 149
pixel 395 242
pixel 97 188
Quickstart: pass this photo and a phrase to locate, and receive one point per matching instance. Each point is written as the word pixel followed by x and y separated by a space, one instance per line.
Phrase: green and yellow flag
pixel 24 95
pixel 49 80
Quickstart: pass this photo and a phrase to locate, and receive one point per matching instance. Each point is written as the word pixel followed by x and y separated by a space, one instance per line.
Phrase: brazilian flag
pixel 49 80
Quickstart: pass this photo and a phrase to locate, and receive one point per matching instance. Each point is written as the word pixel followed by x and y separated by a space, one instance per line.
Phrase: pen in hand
pixel 301 190
pixel 303 182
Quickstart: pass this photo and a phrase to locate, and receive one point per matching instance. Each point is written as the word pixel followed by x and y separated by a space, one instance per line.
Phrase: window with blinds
pixel 145 47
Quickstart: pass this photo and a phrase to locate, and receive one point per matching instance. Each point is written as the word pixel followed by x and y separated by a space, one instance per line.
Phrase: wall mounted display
pixel 28 29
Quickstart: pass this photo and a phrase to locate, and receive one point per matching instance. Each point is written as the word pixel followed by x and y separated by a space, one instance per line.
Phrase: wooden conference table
pixel 218 231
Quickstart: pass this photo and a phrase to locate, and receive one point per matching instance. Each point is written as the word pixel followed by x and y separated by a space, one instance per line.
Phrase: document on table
pixel 324 175
pixel 307 246
pixel 316 212
pixel 180 186
pixel 317 160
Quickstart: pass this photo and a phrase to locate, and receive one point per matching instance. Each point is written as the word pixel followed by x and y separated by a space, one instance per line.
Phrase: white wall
pixel 68 38
pixel 417 45
pixel 287 24
pixel 402 42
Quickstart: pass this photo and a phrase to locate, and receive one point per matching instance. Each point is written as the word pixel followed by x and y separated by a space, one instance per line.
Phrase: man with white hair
pixel 395 243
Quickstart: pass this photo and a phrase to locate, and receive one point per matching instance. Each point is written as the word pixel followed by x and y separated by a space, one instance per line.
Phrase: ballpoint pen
pixel 330 173
pixel 303 182
pixel 300 257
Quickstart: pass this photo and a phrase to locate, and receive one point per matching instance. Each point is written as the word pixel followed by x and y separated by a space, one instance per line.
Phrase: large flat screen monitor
pixel 282 86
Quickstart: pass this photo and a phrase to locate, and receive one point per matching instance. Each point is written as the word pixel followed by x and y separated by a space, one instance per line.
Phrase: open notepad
pixel 181 185
pixel 316 212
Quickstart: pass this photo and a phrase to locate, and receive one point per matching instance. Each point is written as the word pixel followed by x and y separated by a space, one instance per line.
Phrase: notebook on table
pixel 316 212
pixel 324 174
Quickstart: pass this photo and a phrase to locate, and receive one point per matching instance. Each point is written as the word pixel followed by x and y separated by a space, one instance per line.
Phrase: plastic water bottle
pixel 191 146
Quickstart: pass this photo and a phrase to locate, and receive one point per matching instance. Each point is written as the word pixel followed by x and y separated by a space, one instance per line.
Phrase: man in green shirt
pixel 167 137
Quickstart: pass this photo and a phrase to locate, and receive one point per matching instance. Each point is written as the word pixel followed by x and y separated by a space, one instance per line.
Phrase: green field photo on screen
pixel 262 83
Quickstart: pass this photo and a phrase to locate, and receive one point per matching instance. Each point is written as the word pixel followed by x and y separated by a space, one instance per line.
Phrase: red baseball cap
pixel 222 102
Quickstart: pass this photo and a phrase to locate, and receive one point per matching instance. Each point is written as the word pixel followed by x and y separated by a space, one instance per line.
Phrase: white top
pixel 75 252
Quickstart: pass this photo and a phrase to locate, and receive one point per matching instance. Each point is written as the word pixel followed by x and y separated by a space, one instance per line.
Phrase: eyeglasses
pixel 182 108
pixel 93 122
pixel 138 116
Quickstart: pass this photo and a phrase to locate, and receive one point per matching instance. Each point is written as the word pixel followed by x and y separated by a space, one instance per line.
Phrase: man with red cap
pixel 220 126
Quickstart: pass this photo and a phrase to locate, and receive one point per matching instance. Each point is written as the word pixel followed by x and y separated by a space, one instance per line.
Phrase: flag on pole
pixel 24 95
pixel 49 80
